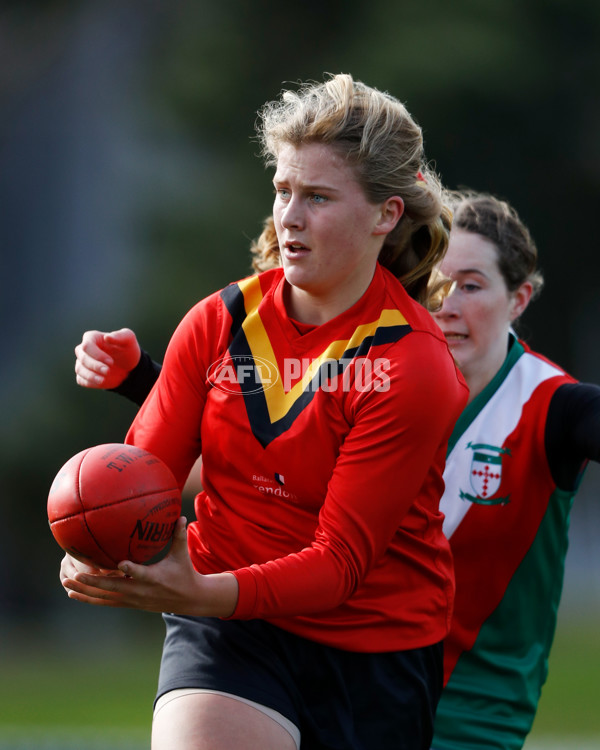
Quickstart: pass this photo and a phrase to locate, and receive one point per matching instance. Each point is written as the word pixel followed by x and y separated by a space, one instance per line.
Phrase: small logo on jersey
pixel 486 474
pixel 276 487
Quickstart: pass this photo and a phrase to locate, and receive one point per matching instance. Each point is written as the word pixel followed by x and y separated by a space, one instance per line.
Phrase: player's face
pixel 476 317
pixel 329 233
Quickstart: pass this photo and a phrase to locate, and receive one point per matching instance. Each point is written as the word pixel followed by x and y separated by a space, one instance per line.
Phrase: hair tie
pixel 420 177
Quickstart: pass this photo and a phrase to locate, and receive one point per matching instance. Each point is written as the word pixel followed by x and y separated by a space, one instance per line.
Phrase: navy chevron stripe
pixel 259 418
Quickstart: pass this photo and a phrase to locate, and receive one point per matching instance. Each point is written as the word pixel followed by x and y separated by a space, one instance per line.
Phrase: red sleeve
pixel 168 423
pixel 392 458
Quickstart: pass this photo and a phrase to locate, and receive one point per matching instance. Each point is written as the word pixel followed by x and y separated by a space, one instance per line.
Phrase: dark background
pixel 130 188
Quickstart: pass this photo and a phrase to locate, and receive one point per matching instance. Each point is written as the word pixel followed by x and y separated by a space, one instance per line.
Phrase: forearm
pixel 220 595
pixel 138 384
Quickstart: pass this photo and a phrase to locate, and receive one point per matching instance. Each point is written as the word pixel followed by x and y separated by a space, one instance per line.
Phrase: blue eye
pixel 317 198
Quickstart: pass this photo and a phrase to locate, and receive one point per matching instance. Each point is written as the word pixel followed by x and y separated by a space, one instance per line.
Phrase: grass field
pixel 571 697
pixel 90 693
pixel 97 695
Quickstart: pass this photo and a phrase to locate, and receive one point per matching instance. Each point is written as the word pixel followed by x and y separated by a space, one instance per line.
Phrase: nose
pixel 292 216
pixel 450 307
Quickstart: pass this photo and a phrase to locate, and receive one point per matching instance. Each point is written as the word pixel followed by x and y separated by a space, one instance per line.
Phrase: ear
pixel 390 212
pixel 520 299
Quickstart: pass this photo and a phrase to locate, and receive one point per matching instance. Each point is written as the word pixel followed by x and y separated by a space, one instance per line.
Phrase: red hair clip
pixel 420 177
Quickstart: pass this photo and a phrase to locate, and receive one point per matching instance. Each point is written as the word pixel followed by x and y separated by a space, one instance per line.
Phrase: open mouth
pixel 454 337
pixel 296 248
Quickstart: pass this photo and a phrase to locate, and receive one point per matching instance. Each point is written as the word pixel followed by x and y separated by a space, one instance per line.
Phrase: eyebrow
pixel 307 187
pixel 466 271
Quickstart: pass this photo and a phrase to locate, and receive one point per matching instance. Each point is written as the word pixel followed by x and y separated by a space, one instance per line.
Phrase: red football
pixel 113 502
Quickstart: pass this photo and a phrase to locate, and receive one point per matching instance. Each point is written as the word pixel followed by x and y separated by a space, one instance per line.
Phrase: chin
pixel 461 357
pixel 295 276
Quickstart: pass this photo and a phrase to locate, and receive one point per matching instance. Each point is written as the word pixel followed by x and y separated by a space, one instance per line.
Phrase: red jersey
pixel 323 450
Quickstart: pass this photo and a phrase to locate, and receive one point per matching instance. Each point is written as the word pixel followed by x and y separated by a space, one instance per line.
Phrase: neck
pixel 477 382
pixel 316 309
pixel 479 375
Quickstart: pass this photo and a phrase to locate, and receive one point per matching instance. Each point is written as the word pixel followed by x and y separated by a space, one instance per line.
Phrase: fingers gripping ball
pixel 113 502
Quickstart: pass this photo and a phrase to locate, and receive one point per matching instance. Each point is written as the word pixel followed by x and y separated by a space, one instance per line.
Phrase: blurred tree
pixel 507 95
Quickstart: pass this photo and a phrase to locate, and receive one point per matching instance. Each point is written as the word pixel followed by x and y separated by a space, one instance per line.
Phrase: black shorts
pixel 339 700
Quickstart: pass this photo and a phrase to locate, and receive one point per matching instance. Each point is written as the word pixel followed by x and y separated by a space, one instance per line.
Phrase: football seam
pixel 85 510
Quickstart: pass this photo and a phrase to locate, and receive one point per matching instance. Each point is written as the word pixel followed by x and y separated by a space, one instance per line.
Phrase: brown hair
pixel 498 222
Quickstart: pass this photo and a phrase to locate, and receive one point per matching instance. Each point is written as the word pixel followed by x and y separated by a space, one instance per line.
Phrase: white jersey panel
pixel 489 429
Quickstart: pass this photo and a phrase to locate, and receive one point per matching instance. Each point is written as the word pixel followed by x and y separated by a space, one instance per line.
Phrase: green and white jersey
pixel 507 522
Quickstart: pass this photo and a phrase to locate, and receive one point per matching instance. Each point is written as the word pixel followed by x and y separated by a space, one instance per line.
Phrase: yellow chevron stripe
pixel 278 401
pixel 251 291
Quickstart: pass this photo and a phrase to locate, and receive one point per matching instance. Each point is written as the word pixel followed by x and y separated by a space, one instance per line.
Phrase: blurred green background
pixel 130 188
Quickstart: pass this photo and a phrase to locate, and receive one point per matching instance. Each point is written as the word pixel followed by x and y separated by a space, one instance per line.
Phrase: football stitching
pixel 113 504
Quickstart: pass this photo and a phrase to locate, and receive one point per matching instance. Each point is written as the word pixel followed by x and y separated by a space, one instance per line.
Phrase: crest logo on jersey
pixel 486 475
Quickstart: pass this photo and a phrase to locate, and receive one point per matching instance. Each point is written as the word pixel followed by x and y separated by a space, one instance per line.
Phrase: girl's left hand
pixel 171 585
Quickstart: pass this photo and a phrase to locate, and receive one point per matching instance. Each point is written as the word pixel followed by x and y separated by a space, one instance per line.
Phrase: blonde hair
pixel 377 135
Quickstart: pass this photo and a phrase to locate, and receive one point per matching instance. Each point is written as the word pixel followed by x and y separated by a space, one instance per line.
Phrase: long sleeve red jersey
pixel 323 450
